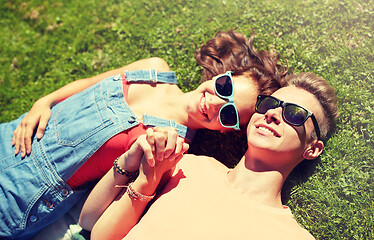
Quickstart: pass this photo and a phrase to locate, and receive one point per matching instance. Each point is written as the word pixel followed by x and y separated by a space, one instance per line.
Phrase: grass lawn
pixel 46 44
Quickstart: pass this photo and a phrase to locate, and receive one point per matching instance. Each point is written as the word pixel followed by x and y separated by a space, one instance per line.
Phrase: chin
pixel 262 142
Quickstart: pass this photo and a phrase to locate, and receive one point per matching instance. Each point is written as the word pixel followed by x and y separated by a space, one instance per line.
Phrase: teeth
pixel 202 105
pixel 266 130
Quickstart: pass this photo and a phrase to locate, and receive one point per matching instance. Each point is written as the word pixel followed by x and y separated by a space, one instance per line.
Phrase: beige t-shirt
pixel 198 203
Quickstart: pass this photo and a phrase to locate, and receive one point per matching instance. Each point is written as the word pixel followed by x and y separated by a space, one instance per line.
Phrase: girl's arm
pixel 39 114
pixel 119 218
pixel 105 192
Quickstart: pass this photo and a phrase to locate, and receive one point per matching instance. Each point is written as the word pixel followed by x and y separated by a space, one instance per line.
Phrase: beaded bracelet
pixel 130 175
pixel 133 194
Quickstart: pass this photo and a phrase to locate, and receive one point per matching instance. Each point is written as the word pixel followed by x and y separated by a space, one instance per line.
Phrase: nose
pixel 215 103
pixel 274 115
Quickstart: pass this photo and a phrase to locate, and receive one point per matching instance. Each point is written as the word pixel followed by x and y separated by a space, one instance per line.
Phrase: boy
pixel 204 199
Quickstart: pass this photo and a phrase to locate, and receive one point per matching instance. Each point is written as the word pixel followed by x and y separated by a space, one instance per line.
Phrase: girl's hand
pixel 38 116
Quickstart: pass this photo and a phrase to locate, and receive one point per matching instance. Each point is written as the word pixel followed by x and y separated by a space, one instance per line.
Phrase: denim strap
pixel 183 131
pixel 151 76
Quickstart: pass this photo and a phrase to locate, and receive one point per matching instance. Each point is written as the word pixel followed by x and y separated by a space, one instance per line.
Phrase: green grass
pixel 47 44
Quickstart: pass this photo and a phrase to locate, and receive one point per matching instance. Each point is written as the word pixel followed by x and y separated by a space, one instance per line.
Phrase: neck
pixel 262 186
pixel 175 107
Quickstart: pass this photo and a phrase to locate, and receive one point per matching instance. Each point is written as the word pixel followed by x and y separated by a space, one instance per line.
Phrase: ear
pixel 313 150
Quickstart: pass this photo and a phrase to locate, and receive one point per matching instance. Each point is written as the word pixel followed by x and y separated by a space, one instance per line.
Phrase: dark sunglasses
pixel 293 114
pixel 224 88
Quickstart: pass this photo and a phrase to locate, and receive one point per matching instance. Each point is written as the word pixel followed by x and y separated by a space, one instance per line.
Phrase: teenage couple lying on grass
pixel 130 127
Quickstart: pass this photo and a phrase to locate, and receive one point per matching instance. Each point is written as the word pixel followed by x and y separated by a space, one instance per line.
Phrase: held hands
pixel 155 153
pixel 165 145
pixel 168 148
pixel 38 116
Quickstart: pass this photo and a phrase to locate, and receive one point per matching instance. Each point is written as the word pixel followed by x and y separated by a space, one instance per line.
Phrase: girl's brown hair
pixel 233 51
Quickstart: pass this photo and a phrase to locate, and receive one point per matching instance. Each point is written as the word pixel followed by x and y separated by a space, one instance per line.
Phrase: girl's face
pixel 204 105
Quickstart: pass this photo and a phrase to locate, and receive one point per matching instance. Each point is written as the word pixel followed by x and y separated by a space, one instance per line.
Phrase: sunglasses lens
pixel 224 86
pixel 295 115
pixel 228 115
pixel 265 103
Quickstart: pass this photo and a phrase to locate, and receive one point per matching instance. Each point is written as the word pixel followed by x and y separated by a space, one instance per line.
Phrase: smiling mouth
pixel 203 105
pixel 268 130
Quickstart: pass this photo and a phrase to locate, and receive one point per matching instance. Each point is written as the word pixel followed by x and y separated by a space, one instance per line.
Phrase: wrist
pixel 135 195
pixel 123 164
pixel 130 175
pixel 47 100
pixel 144 187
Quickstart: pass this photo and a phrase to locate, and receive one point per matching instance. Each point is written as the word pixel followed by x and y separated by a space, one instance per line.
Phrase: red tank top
pixel 102 160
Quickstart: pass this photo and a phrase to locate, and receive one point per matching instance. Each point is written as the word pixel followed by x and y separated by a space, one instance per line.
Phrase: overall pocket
pixel 79 117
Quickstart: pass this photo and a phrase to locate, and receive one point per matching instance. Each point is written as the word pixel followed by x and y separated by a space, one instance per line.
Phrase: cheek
pixel 255 117
pixel 245 117
pixel 246 108
pixel 245 112
pixel 216 125
pixel 294 139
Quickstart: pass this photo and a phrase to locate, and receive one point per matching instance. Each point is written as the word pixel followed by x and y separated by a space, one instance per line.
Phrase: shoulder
pixel 296 230
pixel 158 64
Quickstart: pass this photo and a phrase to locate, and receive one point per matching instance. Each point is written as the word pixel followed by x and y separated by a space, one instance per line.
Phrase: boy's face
pixel 275 138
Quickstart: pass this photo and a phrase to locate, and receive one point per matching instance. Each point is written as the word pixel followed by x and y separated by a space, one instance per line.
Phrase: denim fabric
pixel 152 121
pixel 33 190
pixel 151 75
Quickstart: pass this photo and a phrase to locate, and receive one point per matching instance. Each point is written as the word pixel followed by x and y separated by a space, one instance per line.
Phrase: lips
pixel 203 107
pixel 266 130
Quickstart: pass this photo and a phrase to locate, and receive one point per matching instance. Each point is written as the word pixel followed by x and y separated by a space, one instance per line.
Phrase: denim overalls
pixel 33 190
